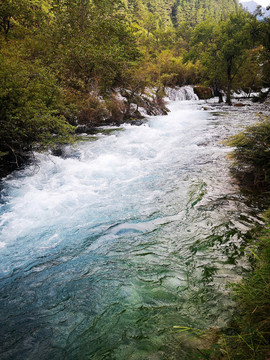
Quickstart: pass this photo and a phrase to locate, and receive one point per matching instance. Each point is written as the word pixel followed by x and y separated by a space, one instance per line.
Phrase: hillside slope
pixel 173 12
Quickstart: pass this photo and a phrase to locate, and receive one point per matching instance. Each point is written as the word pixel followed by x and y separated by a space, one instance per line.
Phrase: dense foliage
pixel 165 13
pixel 56 58
pixel 66 62
pixel 30 108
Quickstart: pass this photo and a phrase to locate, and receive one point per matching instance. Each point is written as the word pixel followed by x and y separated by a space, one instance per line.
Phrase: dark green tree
pixel 30 108
pixel 92 43
pixel 23 15
pixel 223 49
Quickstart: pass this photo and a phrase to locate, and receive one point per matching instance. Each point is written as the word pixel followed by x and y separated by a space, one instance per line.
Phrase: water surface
pixel 105 249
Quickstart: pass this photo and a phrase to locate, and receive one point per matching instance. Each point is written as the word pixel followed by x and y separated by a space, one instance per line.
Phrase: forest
pixel 66 64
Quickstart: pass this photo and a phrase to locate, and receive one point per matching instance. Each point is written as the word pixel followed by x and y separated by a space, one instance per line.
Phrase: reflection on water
pixel 102 253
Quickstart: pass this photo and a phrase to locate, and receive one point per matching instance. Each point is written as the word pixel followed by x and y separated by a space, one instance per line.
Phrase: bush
pixel 92 112
pixel 252 154
pixel 117 109
pixel 29 108
pixel 251 328
pixel 203 92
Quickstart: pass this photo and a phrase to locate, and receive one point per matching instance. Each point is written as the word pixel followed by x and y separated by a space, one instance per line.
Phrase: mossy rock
pixel 203 92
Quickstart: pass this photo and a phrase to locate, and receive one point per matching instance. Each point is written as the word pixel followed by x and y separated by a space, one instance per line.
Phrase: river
pixel 106 248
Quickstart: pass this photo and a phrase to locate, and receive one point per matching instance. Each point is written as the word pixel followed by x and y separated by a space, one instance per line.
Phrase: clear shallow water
pixel 103 251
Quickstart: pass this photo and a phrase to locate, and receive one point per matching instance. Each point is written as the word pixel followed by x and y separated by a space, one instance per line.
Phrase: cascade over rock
pixel 181 93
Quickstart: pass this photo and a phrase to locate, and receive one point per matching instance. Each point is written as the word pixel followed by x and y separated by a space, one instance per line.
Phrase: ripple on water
pixel 103 252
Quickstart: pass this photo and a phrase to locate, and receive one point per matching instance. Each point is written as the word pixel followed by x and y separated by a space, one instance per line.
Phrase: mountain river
pixel 106 248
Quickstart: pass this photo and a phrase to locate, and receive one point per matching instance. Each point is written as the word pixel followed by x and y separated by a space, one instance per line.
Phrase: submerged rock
pixel 238 105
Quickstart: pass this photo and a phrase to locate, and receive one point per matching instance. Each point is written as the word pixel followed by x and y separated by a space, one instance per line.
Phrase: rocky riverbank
pixel 126 106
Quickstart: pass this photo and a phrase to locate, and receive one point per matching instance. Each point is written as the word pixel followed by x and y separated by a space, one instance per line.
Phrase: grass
pixel 250 330
pixel 251 155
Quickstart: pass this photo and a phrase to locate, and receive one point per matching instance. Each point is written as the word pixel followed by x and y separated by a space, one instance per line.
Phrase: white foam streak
pixel 115 178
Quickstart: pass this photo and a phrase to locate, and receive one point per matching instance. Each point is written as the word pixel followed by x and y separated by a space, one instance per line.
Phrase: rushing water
pixel 105 249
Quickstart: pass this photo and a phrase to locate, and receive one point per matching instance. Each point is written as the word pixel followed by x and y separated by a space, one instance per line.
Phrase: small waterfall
pixel 181 93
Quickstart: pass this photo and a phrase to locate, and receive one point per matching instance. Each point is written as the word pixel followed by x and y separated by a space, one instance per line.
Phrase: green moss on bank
pixel 251 155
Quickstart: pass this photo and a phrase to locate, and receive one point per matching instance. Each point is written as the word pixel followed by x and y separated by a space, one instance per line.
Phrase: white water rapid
pixel 105 249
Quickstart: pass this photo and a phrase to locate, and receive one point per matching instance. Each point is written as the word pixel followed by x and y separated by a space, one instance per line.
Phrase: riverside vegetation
pixel 84 63
pixel 250 338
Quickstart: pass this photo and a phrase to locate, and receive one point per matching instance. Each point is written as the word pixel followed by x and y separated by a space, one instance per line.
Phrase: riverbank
pixel 249 334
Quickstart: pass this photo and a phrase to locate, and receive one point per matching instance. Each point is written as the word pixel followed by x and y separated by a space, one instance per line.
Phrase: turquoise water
pixel 105 249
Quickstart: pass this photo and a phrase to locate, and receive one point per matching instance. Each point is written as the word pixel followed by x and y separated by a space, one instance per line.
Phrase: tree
pixel 22 14
pixel 234 42
pixel 30 108
pixel 204 46
pixel 194 11
pixel 92 43
pixel 223 49
pixel 265 59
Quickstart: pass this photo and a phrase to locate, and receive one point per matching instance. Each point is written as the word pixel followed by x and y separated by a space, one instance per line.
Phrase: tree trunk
pixel 6 27
pixel 228 94
pixel 220 98
pixel 229 83
pixel 218 93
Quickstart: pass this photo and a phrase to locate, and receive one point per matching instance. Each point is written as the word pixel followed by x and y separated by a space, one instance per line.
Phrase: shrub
pixel 92 112
pixel 116 108
pixel 251 327
pixel 203 92
pixel 30 103
pixel 252 154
